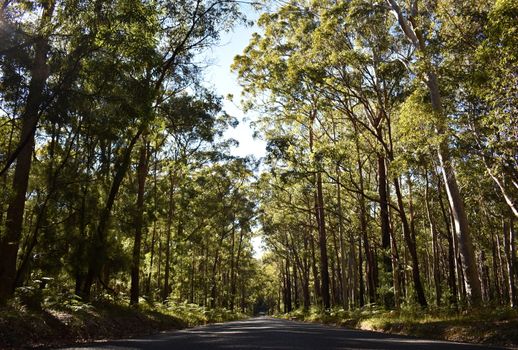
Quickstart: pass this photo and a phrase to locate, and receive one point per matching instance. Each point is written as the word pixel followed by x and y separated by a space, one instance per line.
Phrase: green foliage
pixel 61 322
pixel 414 131
pixel 132 188
pixel 123 76
pixel 480 325
pixel 342 88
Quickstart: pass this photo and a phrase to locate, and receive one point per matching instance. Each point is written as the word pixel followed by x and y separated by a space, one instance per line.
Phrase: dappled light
pixel 268 333
pixel 170 170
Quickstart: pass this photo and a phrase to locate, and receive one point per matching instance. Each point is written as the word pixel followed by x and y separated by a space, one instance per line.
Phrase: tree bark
pixel 469 265
pixel 411 244
pixel 510 254
pixel 385 225
pixel 169 232
pixel 10 241
pixel 396 280
pixel 347 288
pixel 503 271
pixel 320 219
pixel 154 235
pixel 235 268
pixel 314 268
pixel 289 306
pixel 435 246
pixel 97 252
pixel 361 292
pixel 497 289
pixel 369 261
pixel 305 269
pixel 139 221
pixel 322 240
pixel 452 265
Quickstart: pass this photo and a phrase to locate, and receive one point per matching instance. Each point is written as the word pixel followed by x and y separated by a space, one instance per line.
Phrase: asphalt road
pixel 269 333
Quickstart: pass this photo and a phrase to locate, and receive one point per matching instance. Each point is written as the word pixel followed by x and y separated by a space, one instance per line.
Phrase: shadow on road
pixel 269 333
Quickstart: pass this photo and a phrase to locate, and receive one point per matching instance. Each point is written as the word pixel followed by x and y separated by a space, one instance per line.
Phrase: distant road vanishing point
pixel 269 333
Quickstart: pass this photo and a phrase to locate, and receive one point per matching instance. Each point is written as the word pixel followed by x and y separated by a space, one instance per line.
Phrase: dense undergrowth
pixel 65 320
pixel 490 325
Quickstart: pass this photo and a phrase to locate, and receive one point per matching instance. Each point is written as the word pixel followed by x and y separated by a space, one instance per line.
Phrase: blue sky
pixel 223 81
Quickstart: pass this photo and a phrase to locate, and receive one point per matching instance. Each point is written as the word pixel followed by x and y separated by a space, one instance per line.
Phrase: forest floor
pixel 490 326
pixel 68 323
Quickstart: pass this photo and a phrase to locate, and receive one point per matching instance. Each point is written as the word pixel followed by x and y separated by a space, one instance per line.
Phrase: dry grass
pixel 495 326
pixel 21 327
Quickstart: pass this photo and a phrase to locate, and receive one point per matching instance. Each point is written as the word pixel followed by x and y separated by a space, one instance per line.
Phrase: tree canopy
pixel 391 170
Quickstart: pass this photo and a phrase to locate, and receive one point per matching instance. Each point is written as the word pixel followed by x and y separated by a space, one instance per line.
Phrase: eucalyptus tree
pixel 275 67
pixel 191 125
pixel 415 20
pixel 483 102
pixel 497 130
pixel 364 79
pixel 500 124
pixel 34 33
pixel 286 217
pixel 341 57
pixel 185 28
pixel 214 217
pixel 120 60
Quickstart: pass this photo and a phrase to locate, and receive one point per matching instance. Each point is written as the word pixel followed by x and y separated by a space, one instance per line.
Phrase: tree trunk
pixel 351 268
pixel 322 240
pixel 154 235
pixel 411 244
pixel 361 292
pixel 469 265
pixel 320 219
pixel 233 277
pixel 214 282
pixel 472 281
pixel 484 274
pixel 305 268
pixel 497 290
pixel 452 266
pixel 395 273
pixel 340 289
pixel 435 246
pixel 316 278
pixel 10 241
pixel 295 287
pixel 289 306
pixel 169 232
pixel 510 253
pixel 369 261
pixel 97 253
pixel 503 271
pixel 139 218
pixel 305 292
pixel 192 278
pixel 385 225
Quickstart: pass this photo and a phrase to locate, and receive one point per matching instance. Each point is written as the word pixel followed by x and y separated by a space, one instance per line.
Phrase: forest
pixel 392 135
pixel 391 171
pixel 115 178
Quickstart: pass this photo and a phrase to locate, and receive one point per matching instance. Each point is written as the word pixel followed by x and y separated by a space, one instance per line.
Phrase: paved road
pixel 269 333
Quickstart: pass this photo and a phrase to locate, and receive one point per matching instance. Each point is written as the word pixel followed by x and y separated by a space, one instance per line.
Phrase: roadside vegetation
pixel 390 176
pixel 390 191
pixel 66 320
pixel 495 326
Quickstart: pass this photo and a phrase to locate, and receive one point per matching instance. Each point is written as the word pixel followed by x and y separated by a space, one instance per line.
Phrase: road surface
pixel 270 333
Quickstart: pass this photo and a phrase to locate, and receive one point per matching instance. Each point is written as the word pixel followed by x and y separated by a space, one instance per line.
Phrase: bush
pixel 31 297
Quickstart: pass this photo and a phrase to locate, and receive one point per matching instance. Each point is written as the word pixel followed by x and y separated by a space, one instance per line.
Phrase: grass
pixel 496 325
pixel 67 321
